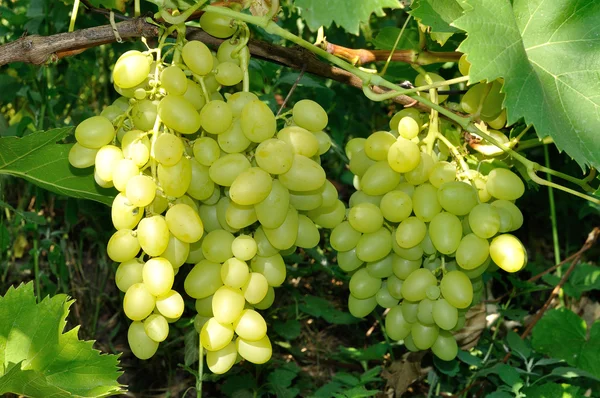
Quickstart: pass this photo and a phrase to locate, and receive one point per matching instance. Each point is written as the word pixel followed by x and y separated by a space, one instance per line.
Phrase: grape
pixel 256 288
pixel 176 252
pixel 250 326
pixel 396 206
pixel 226 169
pixel 409 310
pixel 464 65
pixel 409 344
pixel 308 200
pixel 244 247
pixel 444 314
pixel 424 336
pixel 179 114
pixel 204 306
pixel 225 52
pixel 94 132
pixel 433 292
pixel 302 141
pixel 441 173
pixel 378 144
pixel 250 187
pixel 308 235
pixel 402 267
pixel 122 172
pixel 197 57
pixel 457 289
pixel 201 186
pixel 170 305
pixel 174 80
pixel 217 25
pixel 272 267
pixel 229 74
pixel 407 112
pixel 216 246
pixel 274 156
pixel 504 184
pixel 123 214
pixel 309 115
pixel 143 114
pixel 445 231
pixel 304 175
pixel 227 304
pixel 365 217
pixel 153 235
pixel 194 95
pixel 220 361
pixel 384 298
pixel 216 117
pixel 234 273
pixel 238 100
pixel 414 253
pixel 425 312
pixel 215 336
pixel 156 327
pixel 492 104
pixel 128 273
pixel 140 344
pixel 445 346
pixel 379 179
pixel 410 232
pixel 516 217
pixel 184 223
pixel 360 162
pixel 122 246
pixel 484 220
pixel 498 122
pixel 206 151
pixel 131 69
pixel 324 142
pixel 396 326
pixel 374 245
pixel 82 157
pixel 427 245
pixel 168 149
pixel 360 308
pixel 273 210
pixel 408 128
pixel 508 253
pixel 257 352
pixel 404 155
pixel 381 268
pixel 457 197
pixel 233 140
pixel 199 322
pixel 355 145
pixel 238 216
pixel 138 302
pixel 471 101
pixel 203 280
pixel 362 285
pixel 158 276
pixel 348 261
pixel 136 146
pixel 343 237
pixel 106 159
pixel 420 174
pixel 415 286
pixel 258 122
pixel 285 235
pixel 472 251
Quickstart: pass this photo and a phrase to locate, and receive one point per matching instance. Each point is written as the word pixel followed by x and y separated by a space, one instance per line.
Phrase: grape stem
pixel 389 58
pixel 200 368
pixel 181 18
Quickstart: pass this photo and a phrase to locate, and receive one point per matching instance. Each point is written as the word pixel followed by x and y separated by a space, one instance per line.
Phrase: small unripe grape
pixel 309 115
pixel 508 253
pixel 140 344
pixel 138 302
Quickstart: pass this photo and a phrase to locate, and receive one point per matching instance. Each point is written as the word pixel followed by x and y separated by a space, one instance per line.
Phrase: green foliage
pixel 548 53
pixel 37 359
pixel 39 159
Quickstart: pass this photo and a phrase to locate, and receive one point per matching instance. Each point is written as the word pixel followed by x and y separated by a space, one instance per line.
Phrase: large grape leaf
pixel 345 13
pixel 38 360
pixel 39 159
pixel 548 52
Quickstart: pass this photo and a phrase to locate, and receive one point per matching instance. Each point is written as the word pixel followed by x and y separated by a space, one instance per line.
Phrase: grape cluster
pixel 210 181
pixel 420 232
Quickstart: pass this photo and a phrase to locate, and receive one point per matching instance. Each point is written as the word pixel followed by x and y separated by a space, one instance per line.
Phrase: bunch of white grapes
pixel 419 234
pixel 209 181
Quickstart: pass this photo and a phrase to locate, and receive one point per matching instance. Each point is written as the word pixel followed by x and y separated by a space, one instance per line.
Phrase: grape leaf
pixel 562 334
pixel 437 14
pixel 40 160
pixel 553 390
pixel 37 359
pixel 347 14
pixel 548 52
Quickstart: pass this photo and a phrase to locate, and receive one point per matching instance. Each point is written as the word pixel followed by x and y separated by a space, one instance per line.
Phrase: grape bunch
pixel 210 180
pixel 420 232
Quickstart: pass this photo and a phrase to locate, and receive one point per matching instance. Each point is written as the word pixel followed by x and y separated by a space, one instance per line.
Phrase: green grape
pixel 216 117
pixel 464 65
pixel 258 122
pixel 308 235
pixel 302 141
pixel 360 162
pixel 416 284
pixel 228 74
pixel 381 268
pixel 203 280
pixel 235 273
pixel 504 184
pixel 168 149
pixel 225 52
pixel 244 247
pixel 226 169
pixel 106 159
pixel 396 326
pixel 122 246
pixel 256 288
pixel 173 80
pixel 425 202
pixel 170 305
pixel 216 246
pixel 143 114
pixel 140 190
pixel 498 122
pixel 441 173
pixel 384 298
pixel 285 235
pixel 408 128
pixel 179 114
pixel 492 104
pixel 142 346
pixel 433 292
pixel 457 289
pixel 407 188
pixel 484 220
pixel 153 236
pixel 396 206
pixel 444 314
pixel 112 112
pixel 215 336
pixel 273 210
pixel 360 197
pixel 239 216
pixel 197 57
pixel 379 179
pixel 199 322
pixel 81 157
pixel 233 140
pixel 186 200
pixel 377 145
pixel 122 172
pixel 478 271
pixel 360 308
pixel 445 231
pixel 201 186
pixel 304 175
pixel 308 200
pixel 410 232
pixel 373 246
pixel 250 326
pixel 343 237
pixel 176 252
pixel 471 101
pixel 131 69
pixel 420 80
pixel 194 95
pixel 184 223
pixel 309 115
pixel 354 145
pixel 94 132
pixel 251 187
pixel 365 217
pixel 445 346
pixel 204 306
pixel 413 253
pixel 138 302
pixel 505 219
pixel 156 327
pixel 324 142
pixel 508 253
pixel 472 251
pixel 227 304
pixel 328 217
pixel 407 112
pixel 136 146
pixel 238 100
pixel 404 155
pixel 409 344
pixel 424 336
pixel 257 352
pixel 217 25
pixel 420 174
pixel 425 312
pixel 158 276
pixel 195 255
pixel 409 310
pixel 206 151
pixel 516 216
pixel 362 285
pixel 273 268
pixel 123 214
pixel 274 156
pixel 394 286
pixel 432 263
pixel 263 246
pixel 457 197
pixel 128 273
pixel 427 245
pixel 402 267
pixel 348 261
pixel 220 361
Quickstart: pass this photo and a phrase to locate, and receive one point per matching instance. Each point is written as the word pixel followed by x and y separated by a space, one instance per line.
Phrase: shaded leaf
pixel 517 344
pixel 571 373
pixel 191 343
pixel 552 390
pixel 386 38
pixel 321 308
pixel 437 14
pixel 289 330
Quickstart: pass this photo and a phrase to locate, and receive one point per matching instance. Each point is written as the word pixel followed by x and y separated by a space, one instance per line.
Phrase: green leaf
pixel 438 15
pixel 552 390
pixel 449 368
pixel 584 278
pixel 571 373
pixel 347 14
pixel 289 329
pixel 37 359
pixel 386 38
pixel 191 342
pixel 518 345
pixel 548 52
pixel 562 334
pixel 40 160
pixel 319 307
